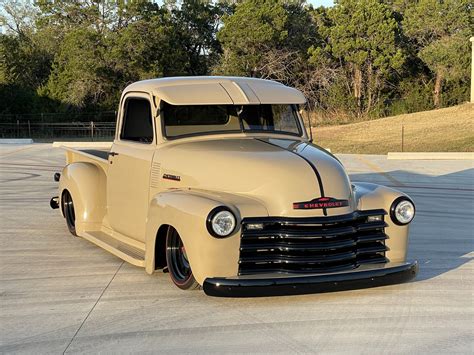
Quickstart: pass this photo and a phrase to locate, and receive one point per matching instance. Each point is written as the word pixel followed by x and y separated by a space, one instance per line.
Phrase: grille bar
pixel 325 232
pixel 316 220
pixel 312 245
pixel 293 259
pixel 305 246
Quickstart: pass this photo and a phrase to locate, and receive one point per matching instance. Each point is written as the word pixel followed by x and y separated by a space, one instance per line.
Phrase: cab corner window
pixel 137 122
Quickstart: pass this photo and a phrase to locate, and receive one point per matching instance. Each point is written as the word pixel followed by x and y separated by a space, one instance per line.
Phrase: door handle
pixel 112 154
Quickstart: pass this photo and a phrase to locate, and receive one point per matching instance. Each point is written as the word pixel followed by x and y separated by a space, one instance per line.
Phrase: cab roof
pixel 218 90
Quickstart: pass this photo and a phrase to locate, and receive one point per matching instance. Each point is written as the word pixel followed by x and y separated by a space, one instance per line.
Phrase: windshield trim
pixel 216 133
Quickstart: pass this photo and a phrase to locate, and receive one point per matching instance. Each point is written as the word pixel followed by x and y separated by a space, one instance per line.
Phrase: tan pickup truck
pixel 215 180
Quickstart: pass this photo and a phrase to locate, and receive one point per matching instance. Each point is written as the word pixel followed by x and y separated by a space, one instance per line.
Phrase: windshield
pixel 208 119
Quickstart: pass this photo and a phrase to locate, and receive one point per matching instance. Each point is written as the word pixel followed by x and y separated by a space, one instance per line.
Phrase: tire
pixel 68 210
pixel 178 264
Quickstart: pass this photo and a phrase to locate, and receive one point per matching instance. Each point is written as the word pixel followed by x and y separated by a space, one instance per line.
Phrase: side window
pixel 137 122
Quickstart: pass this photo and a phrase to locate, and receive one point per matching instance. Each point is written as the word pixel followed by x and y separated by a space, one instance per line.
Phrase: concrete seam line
pixel 378 170
pixel 430 155
pixel 95 304
pixel 16 151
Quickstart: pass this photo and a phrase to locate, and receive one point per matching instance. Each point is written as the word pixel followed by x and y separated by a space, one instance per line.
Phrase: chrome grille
pixel 312 245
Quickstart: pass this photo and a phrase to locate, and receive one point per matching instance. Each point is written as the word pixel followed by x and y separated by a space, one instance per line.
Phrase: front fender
pixel 187 211
pixel 86 182
pixel 372 196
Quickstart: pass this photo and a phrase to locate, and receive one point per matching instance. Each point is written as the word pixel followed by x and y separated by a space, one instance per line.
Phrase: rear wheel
pixel 68 211
pixel 178 263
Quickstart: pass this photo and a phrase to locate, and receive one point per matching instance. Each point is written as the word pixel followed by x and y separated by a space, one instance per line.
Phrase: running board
pixel 124 251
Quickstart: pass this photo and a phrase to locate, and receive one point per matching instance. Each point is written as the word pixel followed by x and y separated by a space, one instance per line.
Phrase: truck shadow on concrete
pixel 442 234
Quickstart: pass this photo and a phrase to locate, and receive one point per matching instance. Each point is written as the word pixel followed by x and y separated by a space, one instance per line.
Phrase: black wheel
pixel 68 211
pixel 178 264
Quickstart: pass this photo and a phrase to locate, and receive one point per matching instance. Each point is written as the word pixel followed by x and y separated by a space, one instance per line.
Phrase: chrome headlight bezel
pixel 218 212
pixel 394 215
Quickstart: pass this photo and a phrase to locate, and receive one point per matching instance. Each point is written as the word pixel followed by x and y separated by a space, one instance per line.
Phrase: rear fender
pixel 187 212
pixel 87 184
pixel 372 196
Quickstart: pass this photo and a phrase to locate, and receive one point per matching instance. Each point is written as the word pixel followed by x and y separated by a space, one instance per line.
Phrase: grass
pixel 445 130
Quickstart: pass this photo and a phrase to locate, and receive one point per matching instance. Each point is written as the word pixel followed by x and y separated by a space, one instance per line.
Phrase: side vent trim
pixel 155 175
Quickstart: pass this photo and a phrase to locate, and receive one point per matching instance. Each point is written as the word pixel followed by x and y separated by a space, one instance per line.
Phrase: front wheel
pixel 69 213
pixel 178 263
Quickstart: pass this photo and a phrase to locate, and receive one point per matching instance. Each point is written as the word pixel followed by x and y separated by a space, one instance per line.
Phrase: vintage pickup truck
pixel 216 181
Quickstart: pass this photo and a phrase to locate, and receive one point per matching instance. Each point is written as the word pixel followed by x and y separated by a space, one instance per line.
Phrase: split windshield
pixel 208 119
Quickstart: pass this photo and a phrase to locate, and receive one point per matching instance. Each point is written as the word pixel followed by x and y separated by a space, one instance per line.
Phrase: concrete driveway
pixel 62 294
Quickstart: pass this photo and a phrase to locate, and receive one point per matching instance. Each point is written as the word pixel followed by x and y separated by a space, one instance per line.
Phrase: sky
pixel 317 3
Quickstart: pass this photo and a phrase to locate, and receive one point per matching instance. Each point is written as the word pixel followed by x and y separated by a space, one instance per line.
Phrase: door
pixel 130 159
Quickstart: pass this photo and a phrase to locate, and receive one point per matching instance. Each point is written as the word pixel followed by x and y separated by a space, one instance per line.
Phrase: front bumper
pixel 277 285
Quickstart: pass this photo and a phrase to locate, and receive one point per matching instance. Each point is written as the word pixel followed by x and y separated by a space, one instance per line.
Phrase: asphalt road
pixel 62 294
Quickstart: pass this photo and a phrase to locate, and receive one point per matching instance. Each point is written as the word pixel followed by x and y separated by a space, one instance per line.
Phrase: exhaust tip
pixel 57 176
pixel 54 203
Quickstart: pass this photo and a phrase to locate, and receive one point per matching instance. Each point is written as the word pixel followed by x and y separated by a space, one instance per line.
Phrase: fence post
pixel 18 128
pixel 29 129
pixel 403 136
pixel 92 130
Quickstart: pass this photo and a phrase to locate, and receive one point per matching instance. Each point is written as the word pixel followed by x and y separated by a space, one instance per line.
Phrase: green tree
pixel 106 46
pixel 23 60
pixel 270 39
pixel 360 56
pixel 362 36
pixel 195 25
pixel 255 27
pixel 440 31
pixel 78 76
pixel 146 47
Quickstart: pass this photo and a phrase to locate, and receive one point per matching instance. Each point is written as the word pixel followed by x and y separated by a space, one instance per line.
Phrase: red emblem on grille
pixel 321 202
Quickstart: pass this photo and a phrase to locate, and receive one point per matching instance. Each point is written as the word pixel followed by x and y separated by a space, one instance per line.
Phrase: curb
pixel 16 141
pixel 82 144
pixel 431 156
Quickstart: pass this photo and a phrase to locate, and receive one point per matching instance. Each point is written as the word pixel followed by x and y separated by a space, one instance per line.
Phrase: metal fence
pixel 83 126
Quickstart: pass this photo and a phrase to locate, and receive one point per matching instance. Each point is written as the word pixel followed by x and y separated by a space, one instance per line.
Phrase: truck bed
pixel 97 156
pixel 100 153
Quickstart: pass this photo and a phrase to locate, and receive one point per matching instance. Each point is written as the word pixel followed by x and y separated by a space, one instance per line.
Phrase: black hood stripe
pixel 313 167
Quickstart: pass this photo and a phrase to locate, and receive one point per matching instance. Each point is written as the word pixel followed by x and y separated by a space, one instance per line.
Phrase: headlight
pixel 220 222
pixel 402 211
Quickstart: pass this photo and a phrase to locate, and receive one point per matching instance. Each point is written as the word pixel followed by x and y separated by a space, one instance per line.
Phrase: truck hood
pixel 285 175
